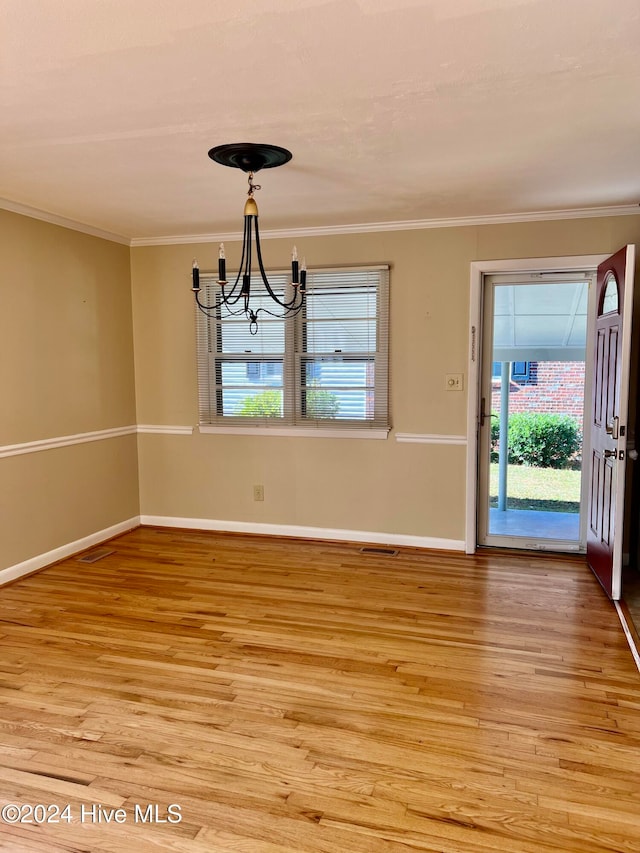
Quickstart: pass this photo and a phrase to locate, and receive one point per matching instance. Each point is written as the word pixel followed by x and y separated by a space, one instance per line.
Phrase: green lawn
pixel 538 488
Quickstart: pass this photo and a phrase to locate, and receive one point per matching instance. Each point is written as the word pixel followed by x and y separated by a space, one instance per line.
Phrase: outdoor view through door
pixel 533 411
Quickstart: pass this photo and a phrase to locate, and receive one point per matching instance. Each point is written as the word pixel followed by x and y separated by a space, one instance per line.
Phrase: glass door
pixel 531 478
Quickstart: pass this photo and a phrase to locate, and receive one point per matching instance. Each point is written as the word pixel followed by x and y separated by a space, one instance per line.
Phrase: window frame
pixel 293 422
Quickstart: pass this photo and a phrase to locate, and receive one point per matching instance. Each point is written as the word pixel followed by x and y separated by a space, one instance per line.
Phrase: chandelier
pixel 236 298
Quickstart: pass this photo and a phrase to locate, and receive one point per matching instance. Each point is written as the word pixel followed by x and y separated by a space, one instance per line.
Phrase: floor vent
pixel 94 556
pixel 381 552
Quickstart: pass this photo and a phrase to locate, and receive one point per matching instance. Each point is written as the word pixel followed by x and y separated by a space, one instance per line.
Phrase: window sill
pixel 297 432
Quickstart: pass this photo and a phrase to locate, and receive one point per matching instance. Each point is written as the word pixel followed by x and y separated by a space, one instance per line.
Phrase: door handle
pixel 612 428
pixel 484 415
pixel 609 453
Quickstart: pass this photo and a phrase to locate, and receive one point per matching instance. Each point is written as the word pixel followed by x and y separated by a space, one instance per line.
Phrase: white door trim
pixel 479 269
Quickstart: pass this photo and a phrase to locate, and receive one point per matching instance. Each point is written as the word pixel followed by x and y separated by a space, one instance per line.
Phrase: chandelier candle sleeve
pixel 303 276
pixel 196 275
pixel 222 264
pixel 294 266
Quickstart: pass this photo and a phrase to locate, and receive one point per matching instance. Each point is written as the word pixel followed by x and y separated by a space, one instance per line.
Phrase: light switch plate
pixel 454 381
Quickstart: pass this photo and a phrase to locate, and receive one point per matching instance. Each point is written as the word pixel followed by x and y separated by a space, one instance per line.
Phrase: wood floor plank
pixel 302 697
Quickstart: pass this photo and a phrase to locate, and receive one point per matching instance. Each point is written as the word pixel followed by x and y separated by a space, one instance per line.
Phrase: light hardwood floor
pixel 300 697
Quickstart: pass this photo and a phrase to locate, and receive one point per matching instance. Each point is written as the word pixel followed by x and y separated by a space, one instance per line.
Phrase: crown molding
pixel 406 225
pixel 62 221
pixel 324 230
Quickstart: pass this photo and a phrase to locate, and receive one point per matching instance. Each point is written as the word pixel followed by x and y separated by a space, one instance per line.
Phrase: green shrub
pixel 321 403
pixel 268 404
pixel 543 441
pixel 495 437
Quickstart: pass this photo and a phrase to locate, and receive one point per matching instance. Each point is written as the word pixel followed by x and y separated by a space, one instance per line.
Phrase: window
pixel 326 367
pixel 610 299
pixel 520 370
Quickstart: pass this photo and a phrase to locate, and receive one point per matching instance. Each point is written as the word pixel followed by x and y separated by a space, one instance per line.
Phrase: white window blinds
pixel 326 367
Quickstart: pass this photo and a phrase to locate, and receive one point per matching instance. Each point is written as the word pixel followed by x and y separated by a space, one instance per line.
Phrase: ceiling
pixel 540 322
pixel 396 111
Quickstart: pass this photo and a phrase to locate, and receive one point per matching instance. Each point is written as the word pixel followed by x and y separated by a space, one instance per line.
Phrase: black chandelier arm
pixel 228 298
pixel 202 305
pixel 224 300
pixel 208 309
pixel 290 312
pixel 212 310
pixel 215 311
pixel 293 303
pixel 245 263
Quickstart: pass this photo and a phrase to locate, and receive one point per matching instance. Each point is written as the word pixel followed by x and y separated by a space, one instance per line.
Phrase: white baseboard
pixel 627 632
pixel 305 532
pixel 28 566
pixel 12 573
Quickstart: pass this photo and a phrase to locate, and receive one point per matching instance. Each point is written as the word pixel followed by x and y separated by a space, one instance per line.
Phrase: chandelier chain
pixel 252 187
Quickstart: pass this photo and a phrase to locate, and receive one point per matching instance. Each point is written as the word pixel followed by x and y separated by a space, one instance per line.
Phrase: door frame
pixel 478 270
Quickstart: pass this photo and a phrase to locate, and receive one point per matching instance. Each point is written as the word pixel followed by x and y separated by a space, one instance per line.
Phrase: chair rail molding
pixel 95 435
pixel 64 441
pixel 429 438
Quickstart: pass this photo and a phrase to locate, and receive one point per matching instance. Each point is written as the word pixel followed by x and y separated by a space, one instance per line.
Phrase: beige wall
pixel 349 484
pixel 71 308
pixel 66 368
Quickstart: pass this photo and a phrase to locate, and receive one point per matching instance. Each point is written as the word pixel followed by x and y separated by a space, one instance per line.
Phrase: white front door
pixel 533 375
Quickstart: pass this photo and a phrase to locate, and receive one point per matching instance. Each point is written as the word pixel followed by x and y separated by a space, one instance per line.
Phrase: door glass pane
pixel 537 405
pixel 610 298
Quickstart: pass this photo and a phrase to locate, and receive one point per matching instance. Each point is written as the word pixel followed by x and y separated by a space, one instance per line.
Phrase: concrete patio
pixel 535 524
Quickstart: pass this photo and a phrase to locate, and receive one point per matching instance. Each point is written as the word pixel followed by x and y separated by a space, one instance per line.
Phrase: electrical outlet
pixel 453 381
pixel 258 493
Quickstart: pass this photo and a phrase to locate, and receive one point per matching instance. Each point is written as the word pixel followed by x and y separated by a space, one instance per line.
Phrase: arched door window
pixel 611 298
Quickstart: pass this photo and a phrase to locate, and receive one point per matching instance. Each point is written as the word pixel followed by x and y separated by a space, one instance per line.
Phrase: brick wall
pixel 553 387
